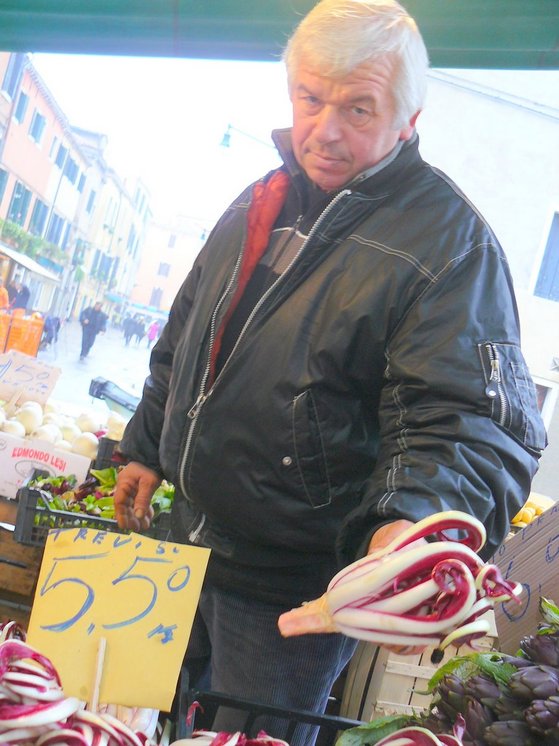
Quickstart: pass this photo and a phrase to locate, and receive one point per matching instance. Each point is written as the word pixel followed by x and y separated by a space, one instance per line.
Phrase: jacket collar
pixel 378 179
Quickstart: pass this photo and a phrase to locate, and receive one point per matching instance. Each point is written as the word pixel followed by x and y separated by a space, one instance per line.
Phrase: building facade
pixel 72 228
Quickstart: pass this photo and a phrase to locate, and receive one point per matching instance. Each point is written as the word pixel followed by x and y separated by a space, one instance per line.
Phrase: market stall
pixel 58 474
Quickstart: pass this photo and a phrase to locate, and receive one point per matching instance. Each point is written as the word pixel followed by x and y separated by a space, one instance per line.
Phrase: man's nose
pixel 328 124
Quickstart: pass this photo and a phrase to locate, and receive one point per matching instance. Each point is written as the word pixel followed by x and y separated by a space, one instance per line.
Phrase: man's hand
pixel 314 617
pixel 385 534
pixel 135 486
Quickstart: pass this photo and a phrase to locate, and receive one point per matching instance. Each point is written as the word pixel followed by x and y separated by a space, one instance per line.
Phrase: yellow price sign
pixel 138 595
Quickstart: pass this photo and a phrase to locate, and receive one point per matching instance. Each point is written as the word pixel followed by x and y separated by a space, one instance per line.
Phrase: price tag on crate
pixel 25 377
pixel 134 594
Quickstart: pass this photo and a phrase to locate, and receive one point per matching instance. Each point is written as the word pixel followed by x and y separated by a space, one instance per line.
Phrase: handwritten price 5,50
pixel 176 581
pixel 99 580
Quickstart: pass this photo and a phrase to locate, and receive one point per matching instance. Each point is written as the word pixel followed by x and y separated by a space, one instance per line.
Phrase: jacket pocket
pixel 309 450
pixel 512 393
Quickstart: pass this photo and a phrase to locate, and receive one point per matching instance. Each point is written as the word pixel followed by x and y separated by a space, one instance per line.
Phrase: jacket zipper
pixel 272 287
pixel 495 387
pixel 194 411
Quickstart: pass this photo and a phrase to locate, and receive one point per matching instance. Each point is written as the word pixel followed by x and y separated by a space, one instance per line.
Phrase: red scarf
pixel 267 200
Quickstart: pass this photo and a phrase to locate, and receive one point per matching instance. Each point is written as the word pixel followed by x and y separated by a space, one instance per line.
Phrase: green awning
pixel 508 34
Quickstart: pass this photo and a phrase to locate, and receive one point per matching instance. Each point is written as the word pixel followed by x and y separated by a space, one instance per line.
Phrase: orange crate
pixel 25 335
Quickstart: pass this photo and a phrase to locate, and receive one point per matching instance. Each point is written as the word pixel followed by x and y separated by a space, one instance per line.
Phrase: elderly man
pixel 342 361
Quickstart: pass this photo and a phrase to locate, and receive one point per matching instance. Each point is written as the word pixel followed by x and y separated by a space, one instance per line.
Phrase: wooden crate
pixel 19 570
pixel 380 682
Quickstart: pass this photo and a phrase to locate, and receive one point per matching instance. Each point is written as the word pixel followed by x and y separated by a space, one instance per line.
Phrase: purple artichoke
pixel 452 692
pixel 543 714
pixel 510 733
pixel 483 688
pixel 477 717
pixel 542 649
pixel 535 682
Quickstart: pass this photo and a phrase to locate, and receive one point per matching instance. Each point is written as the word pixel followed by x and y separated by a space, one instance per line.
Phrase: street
pixel 109 359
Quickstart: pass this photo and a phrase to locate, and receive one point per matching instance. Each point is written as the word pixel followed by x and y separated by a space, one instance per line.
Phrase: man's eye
pixel 357 114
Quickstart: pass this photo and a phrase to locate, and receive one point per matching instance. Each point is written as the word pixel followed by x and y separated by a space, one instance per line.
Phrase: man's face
pixel 342 126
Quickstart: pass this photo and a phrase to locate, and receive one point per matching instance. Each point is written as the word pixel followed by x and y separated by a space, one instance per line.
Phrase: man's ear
pixel 407 130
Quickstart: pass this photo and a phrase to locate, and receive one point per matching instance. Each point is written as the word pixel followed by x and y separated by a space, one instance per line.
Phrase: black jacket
pixel 380 378
pixel 95 318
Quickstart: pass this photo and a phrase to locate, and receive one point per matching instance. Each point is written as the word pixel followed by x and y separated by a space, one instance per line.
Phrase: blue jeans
pixel 236 649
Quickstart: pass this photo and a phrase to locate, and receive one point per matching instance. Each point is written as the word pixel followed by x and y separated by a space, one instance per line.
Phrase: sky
pixel 165 120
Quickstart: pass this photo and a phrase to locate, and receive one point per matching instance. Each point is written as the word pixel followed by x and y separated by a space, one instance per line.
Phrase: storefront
pixel 42 284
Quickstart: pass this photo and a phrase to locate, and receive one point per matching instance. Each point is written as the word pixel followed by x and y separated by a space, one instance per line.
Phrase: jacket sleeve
pixel 459 423
pixel 142 434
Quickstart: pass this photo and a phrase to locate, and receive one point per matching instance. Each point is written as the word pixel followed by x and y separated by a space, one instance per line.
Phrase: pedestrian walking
pixel 128 326
pixel 93 321
pixel 153 333
pixel 139 330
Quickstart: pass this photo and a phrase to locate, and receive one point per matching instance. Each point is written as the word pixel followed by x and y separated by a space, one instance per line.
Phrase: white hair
pixel 337 36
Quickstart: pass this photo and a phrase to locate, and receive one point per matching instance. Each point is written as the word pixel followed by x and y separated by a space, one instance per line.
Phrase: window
pixel 71 170
pixel 65 235
pixel 61 156
pixel 90 201
pixel 164 269
pixel 81 183
pixel 172 241
pixel 95 262
pixel 3 182
pixel 37 126
pixel 104 267
pixel 38 218
pixel 53 147
pixel 156 295
pixel 547 285
pixel 132 240
pixel 19 204
pixel 114 271
pixel 55 227
pixel 21 107
pixel 14 71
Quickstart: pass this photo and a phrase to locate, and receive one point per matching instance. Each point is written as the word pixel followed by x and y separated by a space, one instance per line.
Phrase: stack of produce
pixel 34 710
pixel 51 424
pixel 504 700
pixel 534 506
pixel 484 699
pixel 95 496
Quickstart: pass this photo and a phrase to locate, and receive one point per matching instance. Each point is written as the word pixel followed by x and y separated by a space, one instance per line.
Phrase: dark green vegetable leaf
pixel 465 666
pixel 370 733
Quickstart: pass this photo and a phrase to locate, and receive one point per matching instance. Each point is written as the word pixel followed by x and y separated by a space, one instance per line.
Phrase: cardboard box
pixel 530 557
pixel 20 456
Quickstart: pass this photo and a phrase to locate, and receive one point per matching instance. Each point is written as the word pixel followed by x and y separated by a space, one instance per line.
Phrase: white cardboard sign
pixel 26 377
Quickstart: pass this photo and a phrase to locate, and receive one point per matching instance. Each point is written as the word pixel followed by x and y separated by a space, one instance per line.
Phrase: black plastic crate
pixel 328 727
pixel 33 522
